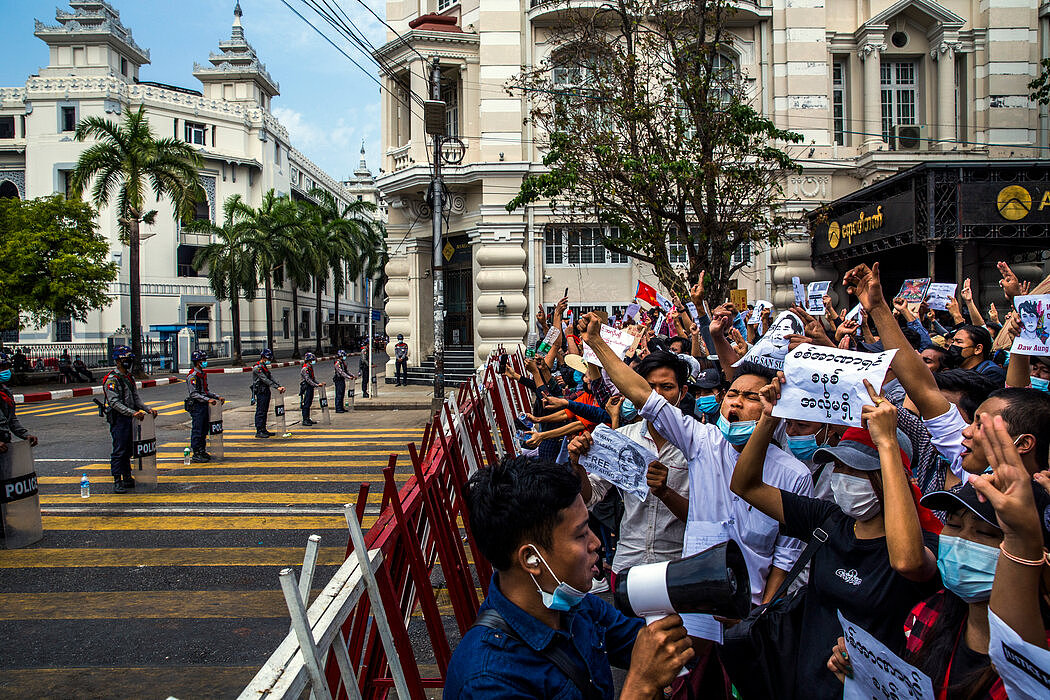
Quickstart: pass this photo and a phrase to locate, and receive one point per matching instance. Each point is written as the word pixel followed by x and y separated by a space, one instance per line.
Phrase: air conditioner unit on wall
pixel 908 137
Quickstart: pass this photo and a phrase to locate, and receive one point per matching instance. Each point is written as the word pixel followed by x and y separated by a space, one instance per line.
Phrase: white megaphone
pixel 713 582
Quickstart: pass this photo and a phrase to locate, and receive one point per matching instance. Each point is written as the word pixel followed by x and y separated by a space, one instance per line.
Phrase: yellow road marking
pixel 314 430
pixel 200 522
pixel 52 411
pixel 334 453
pixel 164 556
pixel 105 605
pixel 354 477
pixel 228 497
pixel 173 467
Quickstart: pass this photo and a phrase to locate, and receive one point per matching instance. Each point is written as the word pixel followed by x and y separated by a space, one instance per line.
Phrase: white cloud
pixel 334 142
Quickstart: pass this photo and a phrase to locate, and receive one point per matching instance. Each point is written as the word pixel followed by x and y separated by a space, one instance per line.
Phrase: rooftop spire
pixel 238 30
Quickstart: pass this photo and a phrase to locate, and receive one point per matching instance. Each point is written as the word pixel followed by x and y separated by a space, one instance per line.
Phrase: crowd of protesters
pixel 932 512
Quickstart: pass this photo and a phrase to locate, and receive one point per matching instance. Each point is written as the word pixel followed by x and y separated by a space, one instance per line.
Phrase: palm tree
pixel 347 242
pixel 230 268
pixel 296 260
pixel 129 161
pixel 271 229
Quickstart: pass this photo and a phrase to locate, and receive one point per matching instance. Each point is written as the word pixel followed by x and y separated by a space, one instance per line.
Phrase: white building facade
pixel 94 70
pixel 874 86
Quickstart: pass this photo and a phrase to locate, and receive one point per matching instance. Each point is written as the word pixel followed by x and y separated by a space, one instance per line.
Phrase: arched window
pixel 8 190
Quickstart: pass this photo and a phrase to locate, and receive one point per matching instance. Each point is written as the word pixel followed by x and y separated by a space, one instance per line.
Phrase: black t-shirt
pixel 850 575
pixel 967 664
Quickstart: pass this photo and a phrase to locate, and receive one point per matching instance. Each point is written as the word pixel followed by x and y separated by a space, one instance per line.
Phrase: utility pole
pixel 437 202
pixel 367 358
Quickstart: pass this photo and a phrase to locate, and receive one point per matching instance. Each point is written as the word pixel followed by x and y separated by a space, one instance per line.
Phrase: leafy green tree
pixel 1040 87
pixel 297 262
pixel 128 162
pixel 647 130
pixel 227 262
pixel 53 261
pixel 348 243
pixel 271 239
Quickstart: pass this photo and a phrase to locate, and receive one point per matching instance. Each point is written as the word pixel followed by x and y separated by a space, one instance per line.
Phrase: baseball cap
pixel 709 378
pixel 856 450
pixel 963 495
pixel 576 362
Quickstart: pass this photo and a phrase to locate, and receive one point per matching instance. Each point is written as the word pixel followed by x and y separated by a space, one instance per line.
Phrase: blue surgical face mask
pixel 736 433
pixel 577 376
pixel 564 597
pixel 627 411
pixel 1040 384
pixel 803 446
pixel 5 375
pixel 204 363
pixel 706 404
pixel 967 568
pixel 313 362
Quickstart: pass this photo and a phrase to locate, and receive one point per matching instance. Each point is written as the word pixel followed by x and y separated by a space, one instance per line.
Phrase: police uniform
pixel 197 405
pixel 307 382
pixel 262 382
pixel 401 363
pixel 9 424
pixel 339 379
pixel 366 374
pixel 122 403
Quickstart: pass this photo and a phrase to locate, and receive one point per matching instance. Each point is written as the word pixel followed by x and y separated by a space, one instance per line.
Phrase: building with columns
pixel 95 67
pixel 874 86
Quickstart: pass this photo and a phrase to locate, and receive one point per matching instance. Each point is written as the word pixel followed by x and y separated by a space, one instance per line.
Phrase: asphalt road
pixel 175 592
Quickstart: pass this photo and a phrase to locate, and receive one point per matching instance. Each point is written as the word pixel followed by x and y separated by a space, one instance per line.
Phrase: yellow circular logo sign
pixel 833 234
pixel 1014 203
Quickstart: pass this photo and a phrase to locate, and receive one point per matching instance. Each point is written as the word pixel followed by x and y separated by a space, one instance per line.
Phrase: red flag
pixel 646 294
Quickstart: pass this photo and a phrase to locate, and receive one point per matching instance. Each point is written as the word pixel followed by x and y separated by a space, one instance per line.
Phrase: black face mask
pixel 956 352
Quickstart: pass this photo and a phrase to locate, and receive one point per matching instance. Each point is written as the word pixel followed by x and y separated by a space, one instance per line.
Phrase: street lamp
pixel 502 307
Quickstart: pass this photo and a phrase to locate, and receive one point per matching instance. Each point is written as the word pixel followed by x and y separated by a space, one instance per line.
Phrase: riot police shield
pixel 215 429
pixel 19 502
pixel 144 452
pixel 278 412
pixel 322 399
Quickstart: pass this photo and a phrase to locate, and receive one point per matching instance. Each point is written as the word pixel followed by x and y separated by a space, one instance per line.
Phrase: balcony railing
pixel 400 157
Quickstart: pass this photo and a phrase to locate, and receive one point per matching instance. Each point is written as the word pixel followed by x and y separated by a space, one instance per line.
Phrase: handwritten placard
pixel 619 460
pixel 771 349
pixel 879 673
pixel 619 341
pixel 1024 667
pixel 1034 312
pixel 826 385
pixel 939 293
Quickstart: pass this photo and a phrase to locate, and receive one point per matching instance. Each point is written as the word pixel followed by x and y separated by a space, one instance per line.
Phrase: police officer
pixel 307 382
pixel 342 373
pixel 262 382
pixel 197 404
pixel 122 405
pixel 9 424
pixel 363 369
pixel 401 361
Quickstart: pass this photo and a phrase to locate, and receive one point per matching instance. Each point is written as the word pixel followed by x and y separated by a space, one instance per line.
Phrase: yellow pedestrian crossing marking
pixel 228 497
pixel 55 410
pixel 164 556
pixel 174 467
pixel 295 453
pixel 355 477
pixel 199 522
pixel 93 605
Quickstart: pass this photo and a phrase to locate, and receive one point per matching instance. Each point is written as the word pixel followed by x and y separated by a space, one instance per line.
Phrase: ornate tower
pixel 236 74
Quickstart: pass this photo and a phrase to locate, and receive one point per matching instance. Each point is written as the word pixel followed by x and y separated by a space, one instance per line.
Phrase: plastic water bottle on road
pixel 85 487
pixel 186 456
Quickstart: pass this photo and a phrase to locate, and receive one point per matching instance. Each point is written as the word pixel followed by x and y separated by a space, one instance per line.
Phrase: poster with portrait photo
pixel 1034 313
pixel 771 349
pixel 619 460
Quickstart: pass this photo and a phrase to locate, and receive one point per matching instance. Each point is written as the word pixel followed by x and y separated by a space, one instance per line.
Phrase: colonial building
pixel 874 86
pixel 95 67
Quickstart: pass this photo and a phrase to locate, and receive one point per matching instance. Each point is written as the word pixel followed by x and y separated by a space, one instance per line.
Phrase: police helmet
pixel 309 357
pixel 341 354
pixel 5 360
pixel 400 336
pixel 198 356
pixel 124 354
pixel 266 354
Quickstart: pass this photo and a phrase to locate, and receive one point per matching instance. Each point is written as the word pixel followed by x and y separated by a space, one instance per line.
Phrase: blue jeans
pixel 120 459
pixel 199 415
pixel 262 405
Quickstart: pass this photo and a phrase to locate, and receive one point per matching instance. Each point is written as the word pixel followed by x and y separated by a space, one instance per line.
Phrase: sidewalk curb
pixel 238 370
pixel 39 396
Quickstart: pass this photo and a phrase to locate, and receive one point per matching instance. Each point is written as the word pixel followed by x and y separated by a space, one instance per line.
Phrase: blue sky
pixel 328 105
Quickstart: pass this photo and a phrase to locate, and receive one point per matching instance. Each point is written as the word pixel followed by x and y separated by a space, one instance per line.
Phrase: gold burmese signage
pixel 847 230
pixel 875 218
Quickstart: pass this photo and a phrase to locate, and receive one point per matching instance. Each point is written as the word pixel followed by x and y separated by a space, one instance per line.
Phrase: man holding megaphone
pixel 539 634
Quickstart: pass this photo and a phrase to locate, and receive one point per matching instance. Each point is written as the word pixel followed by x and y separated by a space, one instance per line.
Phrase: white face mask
pixel 855 496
